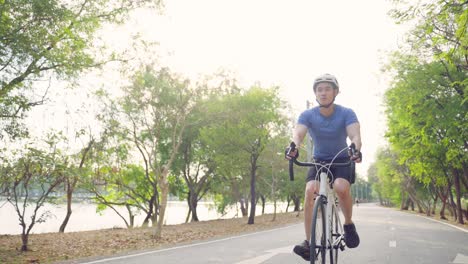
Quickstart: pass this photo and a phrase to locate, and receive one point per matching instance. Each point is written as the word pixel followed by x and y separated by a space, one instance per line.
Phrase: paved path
pixel 387 236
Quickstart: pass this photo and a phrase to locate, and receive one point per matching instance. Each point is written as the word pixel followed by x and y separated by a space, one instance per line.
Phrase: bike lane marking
pixel 270 253
pixel 460 259
pixel 391 243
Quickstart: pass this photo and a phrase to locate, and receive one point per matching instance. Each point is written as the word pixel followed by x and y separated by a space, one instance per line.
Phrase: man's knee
pixel 311 192
pixel 342 187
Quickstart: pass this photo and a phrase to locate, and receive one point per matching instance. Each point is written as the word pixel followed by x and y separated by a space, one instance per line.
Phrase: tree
pixel 425 124
pixel 194 164
pixel 31 181
pixel 72 179
pixel 428 122
pixel 151 118
pixel 243 134
pixel 273 172
pixel 124 186
pixel 44 39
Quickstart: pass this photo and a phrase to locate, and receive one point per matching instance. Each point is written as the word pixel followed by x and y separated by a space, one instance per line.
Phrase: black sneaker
pixel 303 250
pixel 351 236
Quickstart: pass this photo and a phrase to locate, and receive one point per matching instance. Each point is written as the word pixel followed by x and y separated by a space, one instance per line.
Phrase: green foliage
pixel 426 103
pixel 388 177
pixel 124 186
pixel 424 120
pixel 243 124
pixel 44 38
pixel 147 125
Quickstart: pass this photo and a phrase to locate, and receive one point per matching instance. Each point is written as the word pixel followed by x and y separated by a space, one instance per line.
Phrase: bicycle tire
pixel 318 241
pixel 335 233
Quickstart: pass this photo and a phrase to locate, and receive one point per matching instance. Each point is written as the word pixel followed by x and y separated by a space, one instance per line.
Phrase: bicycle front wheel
pixel 318 239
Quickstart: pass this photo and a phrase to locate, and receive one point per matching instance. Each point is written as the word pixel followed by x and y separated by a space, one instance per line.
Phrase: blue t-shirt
pixel 328 133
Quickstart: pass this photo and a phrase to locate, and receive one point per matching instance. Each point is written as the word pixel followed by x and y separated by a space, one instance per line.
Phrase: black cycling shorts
pixel 348 173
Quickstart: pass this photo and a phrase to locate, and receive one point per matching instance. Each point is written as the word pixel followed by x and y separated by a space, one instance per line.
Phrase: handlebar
pixel 292 161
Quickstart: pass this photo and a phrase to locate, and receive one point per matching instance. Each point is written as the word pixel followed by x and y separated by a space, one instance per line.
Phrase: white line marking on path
pixel 454 226
pixel 185 246
pixel 265 257
pixel 460 259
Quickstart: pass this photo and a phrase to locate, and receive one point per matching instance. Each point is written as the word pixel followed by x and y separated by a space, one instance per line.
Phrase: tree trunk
pixel 288 202
pixel 443 198
pixel 434 205
pixel 131 216
pixel 412 195
pixel 24 240
pixel 149 214
pixel 456 181
pixel 453 206
pixel 189 213
pixel 262 197
pixel 404 202
pixel 429 208
pixel 162 208
pixel 244 207
pixel 193 205
pixel 407 203
pixel 464 178
pixel 274 210
pixel 187 218
pixel 253 171
pixel 442 211
pixel 297 203
pixel 381 201
pixel 273 195
pixel 418 204
pixel 466 212
pixel 70 188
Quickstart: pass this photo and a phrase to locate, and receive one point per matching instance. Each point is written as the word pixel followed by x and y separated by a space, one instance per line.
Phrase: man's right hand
pixel 291 151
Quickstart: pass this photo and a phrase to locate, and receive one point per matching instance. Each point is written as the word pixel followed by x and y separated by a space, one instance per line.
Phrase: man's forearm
pixel 354 134
pixel 357 141
pixel 299 133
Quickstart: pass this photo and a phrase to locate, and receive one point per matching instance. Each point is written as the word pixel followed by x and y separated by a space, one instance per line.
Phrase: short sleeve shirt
pixel 328 133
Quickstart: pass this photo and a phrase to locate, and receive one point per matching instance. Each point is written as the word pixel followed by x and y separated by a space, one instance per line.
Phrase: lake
pixel 84 216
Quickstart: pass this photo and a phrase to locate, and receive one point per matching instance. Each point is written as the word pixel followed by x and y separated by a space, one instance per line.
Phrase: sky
pixel 285 43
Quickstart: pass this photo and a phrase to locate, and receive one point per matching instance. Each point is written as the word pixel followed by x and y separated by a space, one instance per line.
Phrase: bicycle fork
pixel 325 193
pixel 337 238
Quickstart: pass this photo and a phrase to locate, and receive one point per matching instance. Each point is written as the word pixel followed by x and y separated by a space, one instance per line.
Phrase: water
pixel 84 216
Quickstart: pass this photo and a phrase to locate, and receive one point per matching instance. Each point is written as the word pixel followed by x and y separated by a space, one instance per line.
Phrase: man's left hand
pixel 357 157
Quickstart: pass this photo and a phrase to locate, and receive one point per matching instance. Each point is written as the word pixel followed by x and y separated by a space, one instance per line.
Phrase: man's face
pixel 324 92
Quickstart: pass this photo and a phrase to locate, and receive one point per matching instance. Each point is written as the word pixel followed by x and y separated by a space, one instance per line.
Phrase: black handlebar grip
pixel 352 147
pixel 292 147
pixel 291 170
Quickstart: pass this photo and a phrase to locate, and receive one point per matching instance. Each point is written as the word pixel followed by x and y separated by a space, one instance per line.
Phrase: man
pixel 329 125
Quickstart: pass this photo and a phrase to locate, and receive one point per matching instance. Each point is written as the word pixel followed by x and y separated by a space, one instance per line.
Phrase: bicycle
pixel 327 232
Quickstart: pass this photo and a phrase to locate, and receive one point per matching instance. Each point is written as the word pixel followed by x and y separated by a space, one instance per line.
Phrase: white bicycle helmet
pixel 327 78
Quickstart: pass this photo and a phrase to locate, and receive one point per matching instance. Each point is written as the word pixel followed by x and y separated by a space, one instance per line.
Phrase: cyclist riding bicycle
pixel 328 125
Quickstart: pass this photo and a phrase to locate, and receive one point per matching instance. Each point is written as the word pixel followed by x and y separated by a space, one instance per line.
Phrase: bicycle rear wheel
pixel 318 240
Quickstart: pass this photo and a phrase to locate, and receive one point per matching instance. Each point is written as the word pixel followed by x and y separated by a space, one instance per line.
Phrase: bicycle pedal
pixel 342 246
